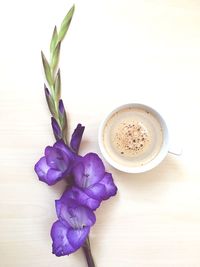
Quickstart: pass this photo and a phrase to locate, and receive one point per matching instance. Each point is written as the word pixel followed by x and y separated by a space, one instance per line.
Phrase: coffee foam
pixel 133 137
pixel 130 137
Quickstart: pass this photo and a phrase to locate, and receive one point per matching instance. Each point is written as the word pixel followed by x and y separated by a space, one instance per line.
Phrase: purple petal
pixel 46 174
pixel 41 168
pixel 77 237
pixel 65 149
pixel 53 176
pixel 81 198
pixel 61 145
pixel 78 173
pixel 97 191
pixel 56 129
pixel 54 158
pixel 59 205
pixel 73 214
pixel 61 245
pixel 89 170
pixel 94 168
pixel 110 187
pixel 76 137
pixel 81 216
pixel 61 107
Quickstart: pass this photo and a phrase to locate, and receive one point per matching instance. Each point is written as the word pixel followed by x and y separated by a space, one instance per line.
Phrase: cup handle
pixel 175 149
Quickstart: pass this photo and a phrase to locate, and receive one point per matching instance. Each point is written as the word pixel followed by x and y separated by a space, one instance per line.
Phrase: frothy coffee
pixel 133 136
pixel 130 137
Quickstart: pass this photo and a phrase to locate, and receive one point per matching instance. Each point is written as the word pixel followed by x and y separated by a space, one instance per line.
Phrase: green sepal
pixel 57 86
pixel 54 40
pixel 63 120
pixel 50 102
pixel 47 69
pixel 55 58
pixel 65 128
pixel 65 24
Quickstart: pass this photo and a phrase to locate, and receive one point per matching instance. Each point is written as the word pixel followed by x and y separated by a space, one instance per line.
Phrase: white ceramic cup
pixel 164 148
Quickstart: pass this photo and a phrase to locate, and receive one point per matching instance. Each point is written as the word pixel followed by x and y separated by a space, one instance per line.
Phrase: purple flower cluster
pixel 91 184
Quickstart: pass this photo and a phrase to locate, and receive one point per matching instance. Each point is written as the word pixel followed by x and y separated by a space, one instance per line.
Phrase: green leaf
pixel 55 58
pixel 54 40
pixel 65 24
pixel 47 69
pixel 57 86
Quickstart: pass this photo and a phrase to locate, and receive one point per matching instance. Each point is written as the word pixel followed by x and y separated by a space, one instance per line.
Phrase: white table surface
pixel 116 51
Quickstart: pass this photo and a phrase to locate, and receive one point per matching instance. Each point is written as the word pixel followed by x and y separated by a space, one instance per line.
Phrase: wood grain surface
pixel 116 52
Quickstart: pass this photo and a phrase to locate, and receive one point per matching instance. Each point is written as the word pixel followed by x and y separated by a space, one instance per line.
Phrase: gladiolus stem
pixel 88 254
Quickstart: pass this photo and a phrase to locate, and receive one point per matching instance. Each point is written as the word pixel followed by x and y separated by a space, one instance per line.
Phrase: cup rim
pixel 150 165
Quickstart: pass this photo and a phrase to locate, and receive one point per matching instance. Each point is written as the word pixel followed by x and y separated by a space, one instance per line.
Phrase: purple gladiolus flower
pixel 56 164
pixel 70 232
pixel 90 176
pixel 88 184
pixel 76 137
